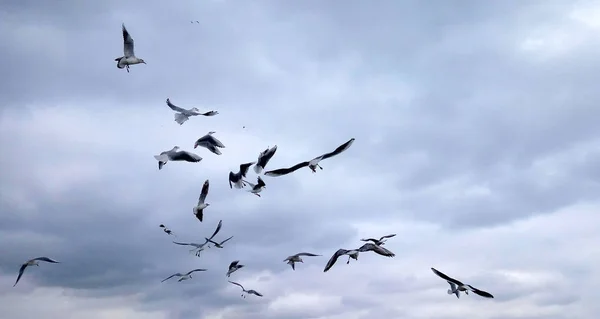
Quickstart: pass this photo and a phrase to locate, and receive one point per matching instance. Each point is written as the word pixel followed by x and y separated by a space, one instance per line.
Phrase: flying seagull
pixel 176 155
pixel 210 142
pixel 183 115
pixel 33 262
pixel 236 178
pixel 291 260
pixel 218 245
pixel 376 249
pixel 263 158
pixel 456 286
pixel 381 241
pixel 251 291
pixel 233 267
pixel 312 164
pixel 128 57
pixel 200 247
pixel 258 187
pixel 341 252
pixel 185 276
pixel 167 230
pixel 199 209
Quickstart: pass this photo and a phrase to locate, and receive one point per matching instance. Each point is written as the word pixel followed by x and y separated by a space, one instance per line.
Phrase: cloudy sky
pixel 477 142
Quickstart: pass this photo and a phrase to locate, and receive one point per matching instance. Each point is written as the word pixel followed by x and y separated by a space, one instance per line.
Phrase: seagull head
pixel 175 148
pixel 211 132
pixel 142 61
pixel 195 109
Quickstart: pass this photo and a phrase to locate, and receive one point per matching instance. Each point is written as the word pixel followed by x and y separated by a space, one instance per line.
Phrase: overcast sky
pixel 477 142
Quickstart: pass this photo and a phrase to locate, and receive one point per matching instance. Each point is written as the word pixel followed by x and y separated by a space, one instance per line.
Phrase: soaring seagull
pixel 183 115
pixel 218 245
pixel 251 291
pixel 166 230
pixel 33 262
pixel 200 247
pixel 456 286
pixel 185 276
pixel 235 265
pixel 128 57
pixel 175 154
pixel 199 208
pixel 263 158
pixel 291 260
pixel 381 241
pixel 236 178
pixel 313 163
pixel 376 249
pixel 353 253
pixel 258 187
pixel 210 142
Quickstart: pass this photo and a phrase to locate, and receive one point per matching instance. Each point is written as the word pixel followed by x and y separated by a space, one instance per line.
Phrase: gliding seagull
pixel 128 57
pixel 210 142
pixel 200 247
pixel 236 178
pixel 258 187
pixel 263 158
pixel 313 163
pixel 183 115
pixel 33 262
pixel 233 267
pixel 175 154
pixel 185 276
pixel 340 252
pixel 166 230
pixel 291 260
pixel 199 209
pixel 251 291
pixel 380 241
pixel 456 286
pixel 376 249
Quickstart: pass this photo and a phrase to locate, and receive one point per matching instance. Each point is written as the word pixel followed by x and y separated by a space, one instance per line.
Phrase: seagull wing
pixel 215 141
pixel 183 244
pixel 231 176
pixel 370 239
pixel 234 263
pixel 264 158
pixel 453 288
pixel 46 259
pixel 221 243
pixel 254 292
pixel 285 171
pixel 175 107
pixel 21 270
pixel 334 258
pixel 307 254
pixel 185 156
pixel 260 182
pixel 376 249
pixel 197 269
pixel 209 113
pixel 235 283
pixel 173 275
pixel 217 230
pixel 480 292
pixel 338 150
pixel 445 277
pixel 244 168
pixel 127 43
pixel 203 193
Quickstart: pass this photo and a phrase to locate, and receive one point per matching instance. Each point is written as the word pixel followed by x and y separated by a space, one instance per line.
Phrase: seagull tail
pixel 180 118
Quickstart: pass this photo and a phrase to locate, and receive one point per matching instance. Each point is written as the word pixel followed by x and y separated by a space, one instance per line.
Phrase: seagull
pixel 128 57
pixel 233 267
pixel 351 254
pixel 176 155
pixel 236 178
pixel 251 291
pixel 183 115
pixel 312 164
pixel 166 230
pixel 380 241
pixel 456 286
pixel 198 209
pixel 33 262
pixel 210 142
pixel 376 249
pixel 200 247
pixel 258 187
pixel 263 158
pixel 185 276
pixel 218 245
pixel 291 260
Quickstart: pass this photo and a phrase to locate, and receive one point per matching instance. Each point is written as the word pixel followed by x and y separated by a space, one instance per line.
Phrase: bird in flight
pixel 251 291
pixel 199 208
pixel 210 142
pixel 175 154
pixel 381 241
pixel 33 262
pixel 258 187
pixel 456 286
pixel 291 260
pixel 235 265
pixel 185 276
pixel 128 57
pixel 237 178
pixel 263 158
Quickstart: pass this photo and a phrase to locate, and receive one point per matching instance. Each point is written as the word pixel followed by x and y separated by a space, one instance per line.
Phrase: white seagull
pixel 166 230
pixel 291 260
pixel 258 187
pixel 263 158
pixel 128 57
pixel 200 247
pixel 456 286
pixel 236 178
pixel 175 154
pixel 185 276
pixel 210 142
pixel 233 267
pixel 33 262
pixel 251 291
pixel 218 245
pixel 313 163
pixel 379 242
pixel 353 253
pixel 183 115
pixel 199 208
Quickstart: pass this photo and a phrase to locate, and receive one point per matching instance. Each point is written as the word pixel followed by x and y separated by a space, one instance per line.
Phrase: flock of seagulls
pixel 238 180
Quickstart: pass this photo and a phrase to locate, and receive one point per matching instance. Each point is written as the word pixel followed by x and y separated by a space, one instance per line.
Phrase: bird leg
pixel 257 194
pixel 319 166
pixel 127 68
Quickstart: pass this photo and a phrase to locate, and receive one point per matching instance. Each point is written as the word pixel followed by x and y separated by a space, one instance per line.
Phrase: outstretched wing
pixel 244 168
pixel 221 243
pixel 307 254
pixel 445 277
pixel 46 259
pixel 217 230
pixel 387 236
pixel 254 292
pixel 234 263
pixel 127 42
pixel 184 244
pixel 197 269
pixel 175 107
pixel 334 258
pixel 21 270
pixel 173 275
pixel 260 182
pixel 370 239
pixel 231 176
pixel 377 249
pixel 185 156
pixel 235 283
pixel 338 150
pixel 203 193
pixel 215 141
pixel 480 292
pixel 285 171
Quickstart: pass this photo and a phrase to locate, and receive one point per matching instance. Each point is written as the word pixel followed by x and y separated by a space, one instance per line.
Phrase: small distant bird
pixel 312 164
pixel 456 286
pixel 210 142
pixel 263 158
pixel 251 291
pixel 33 262
pixel 236 178
pixel 128 57
pixel 185 276
pixel 258 187
pixel 233 267
pixel 166 230
pixel 381 241
pixel 218 245
pixel 199 208
pixel 291 260
pixel 353 253
pixel 194 21
pixel 176 155
pixel 200 247
pixel 183 115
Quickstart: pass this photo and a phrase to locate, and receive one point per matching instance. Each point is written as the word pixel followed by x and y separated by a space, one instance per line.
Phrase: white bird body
pixel 256 188
pixel 175 154
pixel 128 57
